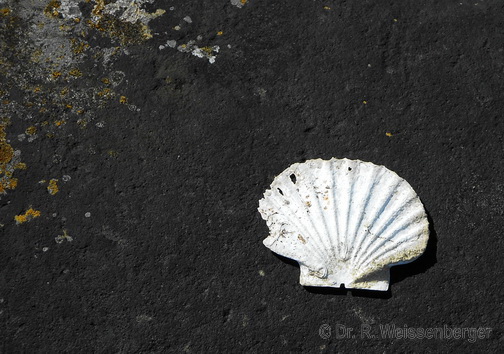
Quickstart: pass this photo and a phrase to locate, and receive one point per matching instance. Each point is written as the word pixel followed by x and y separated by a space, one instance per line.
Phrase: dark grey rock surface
pixel 171 161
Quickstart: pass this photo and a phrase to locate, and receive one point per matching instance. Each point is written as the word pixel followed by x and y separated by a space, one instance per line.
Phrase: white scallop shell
pixel 345 222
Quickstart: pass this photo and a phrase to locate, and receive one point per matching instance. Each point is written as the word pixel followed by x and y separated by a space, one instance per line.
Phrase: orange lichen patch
pixel 27 216
pixel 78 47
pixel 31 130
pixel 5 12
pixel 52 188
pixel 51 9
pixel 10 183
pixel 97 10
pixel 125 32
pixel 243 2
pixel 69 106
pixel 6 151
pixel 388 134
pixel 75 72
pixel 123 99
pixel 106 92
pixel 9 161
pixel 59 123
pixel 128 30
pixel 220 33
pixel 37 89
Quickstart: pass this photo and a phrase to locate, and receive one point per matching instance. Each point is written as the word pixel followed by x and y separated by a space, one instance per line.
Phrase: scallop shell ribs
pixel 346 222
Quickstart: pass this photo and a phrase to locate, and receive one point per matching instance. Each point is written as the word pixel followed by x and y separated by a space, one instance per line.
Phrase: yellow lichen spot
pixel 64 91
pixel 207 50
pixel 77 20
pixel 31 130
pixel 112 153
pixel 220 33
pixel 106 92
pixel 5 11
pixel 364 102
pixel 106 81
pixel 12 183
pixel 78 47
pixel 64 237
pixel 51 8
pixel 123 99
pixel 146 32
pixel 37 89
pixel 69 106
pixel 327 8
pixel 35 56
pixel 59 123
pixel 44 123
pixel 20 166
pixel 82 122
pixel 80 111
pixel 389 134
pixel 65 28
pixel 184 45
pixel 27 216
pixel 6 151
pixel 50 135
pixel 52 188
pixel 55 74
pixel 75 72
pixel 395 20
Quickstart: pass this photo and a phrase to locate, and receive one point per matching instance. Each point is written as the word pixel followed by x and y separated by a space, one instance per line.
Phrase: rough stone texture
pixel 170 257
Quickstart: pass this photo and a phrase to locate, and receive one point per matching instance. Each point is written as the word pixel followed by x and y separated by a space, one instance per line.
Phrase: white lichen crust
pixel 344 221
